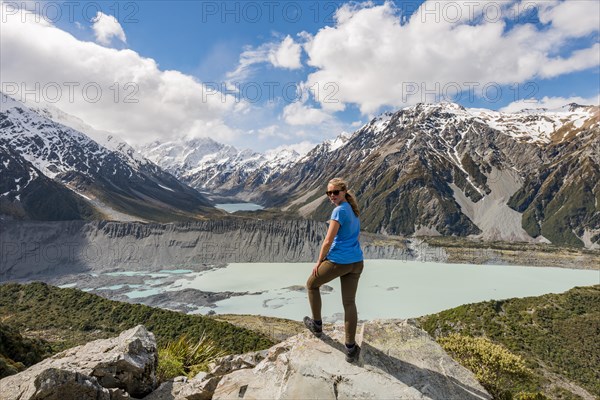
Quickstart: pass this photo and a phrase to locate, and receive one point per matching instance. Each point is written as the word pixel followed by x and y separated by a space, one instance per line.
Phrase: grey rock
pixel 231 363
pixel 199 389
pixel 397 361
pixel 56 384
pixel 104 369
pixel 203 385
pixel 167 390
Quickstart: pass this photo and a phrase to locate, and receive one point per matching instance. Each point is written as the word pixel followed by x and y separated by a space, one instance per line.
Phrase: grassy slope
pixel 557 334
pixel 70 317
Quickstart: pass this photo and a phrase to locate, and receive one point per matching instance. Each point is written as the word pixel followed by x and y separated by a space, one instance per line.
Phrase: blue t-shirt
pixel 345 248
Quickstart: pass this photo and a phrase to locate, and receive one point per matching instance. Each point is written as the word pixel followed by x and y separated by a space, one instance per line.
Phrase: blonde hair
pixel 341 184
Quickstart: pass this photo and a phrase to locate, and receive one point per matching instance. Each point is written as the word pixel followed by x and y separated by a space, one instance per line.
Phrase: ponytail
pixel 350 198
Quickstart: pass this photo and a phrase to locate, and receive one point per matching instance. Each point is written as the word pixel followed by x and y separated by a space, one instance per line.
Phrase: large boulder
pixel 397 361
pixel 103 369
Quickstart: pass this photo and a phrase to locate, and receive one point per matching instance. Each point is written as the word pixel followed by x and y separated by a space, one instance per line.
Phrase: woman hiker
pixel 341 256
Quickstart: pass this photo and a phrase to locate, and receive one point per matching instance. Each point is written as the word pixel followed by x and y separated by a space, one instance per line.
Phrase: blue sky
pixel 363 58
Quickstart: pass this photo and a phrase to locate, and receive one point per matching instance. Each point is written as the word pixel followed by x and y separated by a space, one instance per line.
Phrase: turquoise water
pixel 137 294
pixel 117 287
pixel 68 285
pixel 175 271
pixel 233 207
pixel 387 288
pixel 161 274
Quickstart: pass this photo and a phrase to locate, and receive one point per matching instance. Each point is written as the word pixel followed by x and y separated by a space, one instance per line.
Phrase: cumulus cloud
pixel 377 60
pixel 107 27
pixel 300 114
pixel 577 61
pixel 301 148
pixel 285 54
pixel 271 132
pixel 112 90
pixel 550 103
pixel 571 18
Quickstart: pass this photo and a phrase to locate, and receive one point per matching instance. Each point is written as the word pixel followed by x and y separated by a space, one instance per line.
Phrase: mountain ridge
pixel 111 180
pixel 427 169
pixel 412 170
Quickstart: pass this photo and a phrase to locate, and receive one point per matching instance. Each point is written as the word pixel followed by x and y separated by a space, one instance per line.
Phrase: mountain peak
pixel 444 105
pixel 7 102
pixel 574 106
pixel 108 177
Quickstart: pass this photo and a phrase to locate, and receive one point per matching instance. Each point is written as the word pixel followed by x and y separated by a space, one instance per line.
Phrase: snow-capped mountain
pixel 108 180
pixel 218 168
pixel 106 139
pixel 443 169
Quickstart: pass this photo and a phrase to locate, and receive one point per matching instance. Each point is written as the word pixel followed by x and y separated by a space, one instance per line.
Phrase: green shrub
pixel 186 357
pixel 530 396
pixel 9 367
pixel 18 352
pixel 556 334
pixel 493 365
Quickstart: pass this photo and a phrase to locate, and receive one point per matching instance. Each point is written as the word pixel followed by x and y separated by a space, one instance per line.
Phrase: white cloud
pixel 112 90
pixel 271 132
pixel 549 103
pixel 299 114
pixel 376 61
pixel 285 54
pixel 248 58
pixel 301 148
pixel 572 18
pixel 578 61
pixel 106 27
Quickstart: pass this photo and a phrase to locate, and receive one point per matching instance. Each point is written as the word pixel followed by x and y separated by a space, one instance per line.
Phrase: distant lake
pixel 387 288
pixel 233 207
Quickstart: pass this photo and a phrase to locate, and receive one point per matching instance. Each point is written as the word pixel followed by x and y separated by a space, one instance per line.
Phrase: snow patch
pixel 164 187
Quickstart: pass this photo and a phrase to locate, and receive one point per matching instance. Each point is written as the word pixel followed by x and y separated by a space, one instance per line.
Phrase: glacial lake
pixel 233 207
pixel 387 288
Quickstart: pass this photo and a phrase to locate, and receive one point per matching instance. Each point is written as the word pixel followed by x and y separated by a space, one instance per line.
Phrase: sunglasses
pixel 334 192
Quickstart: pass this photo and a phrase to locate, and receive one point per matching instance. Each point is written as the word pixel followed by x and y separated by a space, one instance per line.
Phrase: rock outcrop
pixel 105 369
pixel 397 361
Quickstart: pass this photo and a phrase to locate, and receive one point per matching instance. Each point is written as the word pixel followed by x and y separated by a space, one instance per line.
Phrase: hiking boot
pixel 353 353
pixel 317 330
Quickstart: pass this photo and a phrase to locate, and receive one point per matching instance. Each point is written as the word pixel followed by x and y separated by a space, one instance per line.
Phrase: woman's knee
pixel 311 284
pixel 348 303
